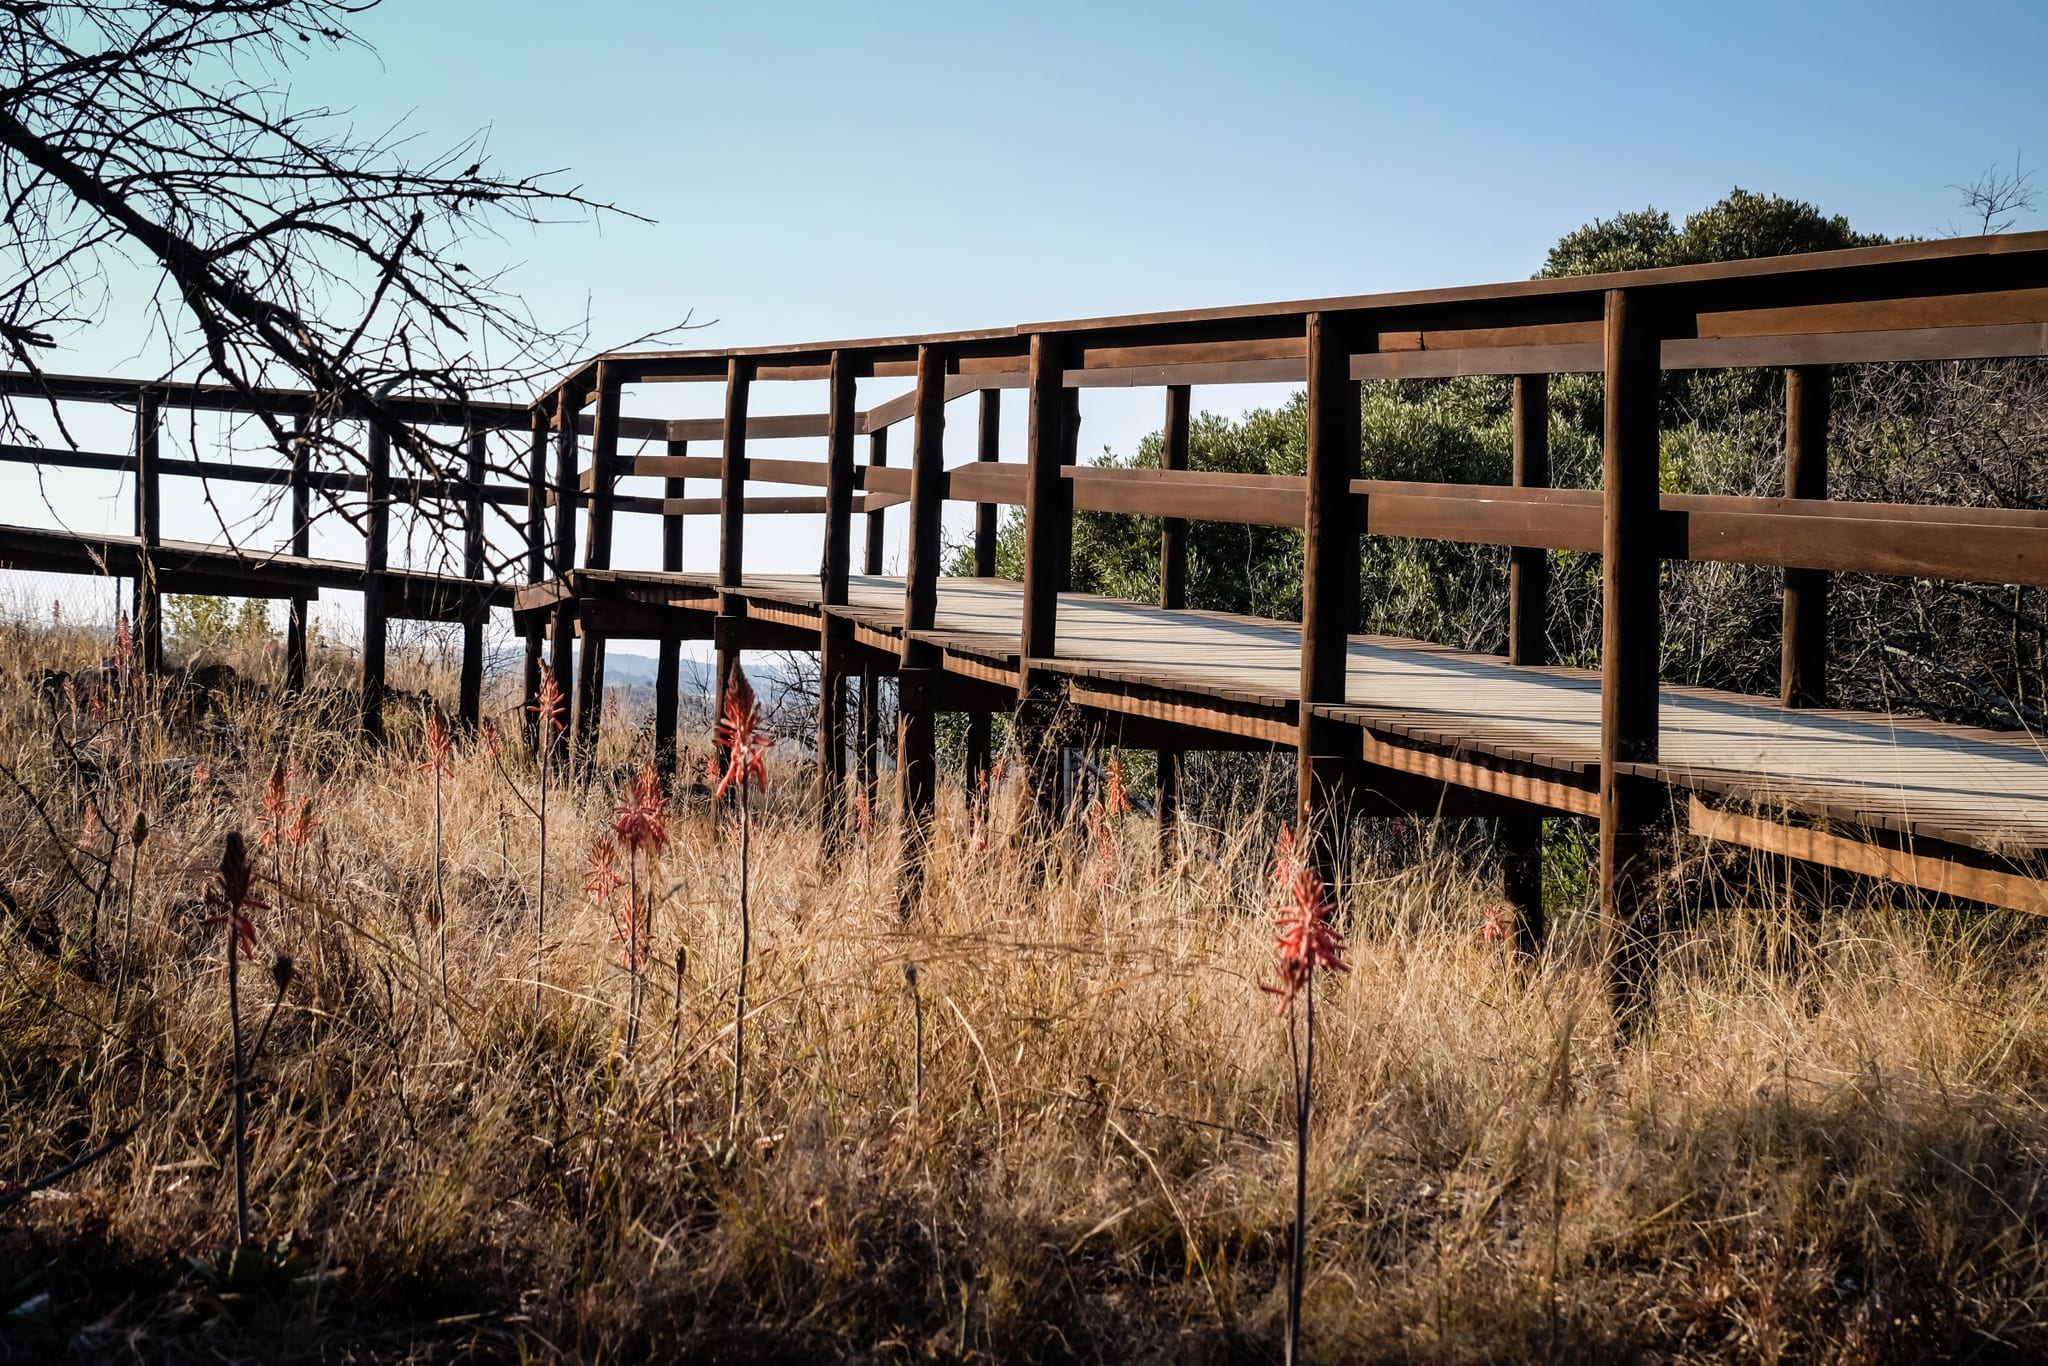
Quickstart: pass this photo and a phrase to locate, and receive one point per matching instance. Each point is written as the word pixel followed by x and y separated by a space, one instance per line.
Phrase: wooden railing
pixel 1957 299
pixel 292 573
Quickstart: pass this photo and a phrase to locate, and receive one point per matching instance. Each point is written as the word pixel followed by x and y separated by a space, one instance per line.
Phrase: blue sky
pixel 818 171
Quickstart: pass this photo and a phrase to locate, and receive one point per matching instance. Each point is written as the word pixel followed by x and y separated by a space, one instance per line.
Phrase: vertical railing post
pixel 916 678
pixel 868 738
pixel 568 494
pixel 536 566
pixel 1173 597
pixel 835 632
pixel 1048 551
pixel 1630 645
pixel 668 658
pixel 732 523
pixel 376 559
pixel 1803 656
pixel 149 621
pixel 300 480
pixel 470 692
pixel 1331 526
pixel 604 455
pixel 987 450
pixel 1521 834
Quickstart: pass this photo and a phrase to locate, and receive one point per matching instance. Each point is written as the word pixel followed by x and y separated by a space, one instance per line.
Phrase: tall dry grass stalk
pixel 1826 1146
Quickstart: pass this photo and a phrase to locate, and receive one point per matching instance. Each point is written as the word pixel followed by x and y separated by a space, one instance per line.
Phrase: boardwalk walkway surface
pixel 1987 790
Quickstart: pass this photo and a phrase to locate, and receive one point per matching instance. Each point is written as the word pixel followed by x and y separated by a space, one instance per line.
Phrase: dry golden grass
pixel 1833 1154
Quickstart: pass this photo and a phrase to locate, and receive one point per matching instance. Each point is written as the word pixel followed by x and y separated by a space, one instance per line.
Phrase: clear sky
pixel 826 170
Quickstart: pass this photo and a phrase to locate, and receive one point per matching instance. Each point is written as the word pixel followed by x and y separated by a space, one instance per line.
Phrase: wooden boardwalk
pixel 1391 725
pixel 1985 790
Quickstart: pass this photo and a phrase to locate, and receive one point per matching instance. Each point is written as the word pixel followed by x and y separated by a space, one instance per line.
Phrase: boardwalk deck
pixel 1978 789
pixel 1400 724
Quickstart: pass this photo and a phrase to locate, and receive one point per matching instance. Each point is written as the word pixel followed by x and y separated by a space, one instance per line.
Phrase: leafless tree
pixel 1997 198
pixel 153 163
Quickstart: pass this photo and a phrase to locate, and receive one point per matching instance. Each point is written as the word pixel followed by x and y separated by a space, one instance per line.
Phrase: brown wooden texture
pixel 1330 558
pixel 149 621
pixel 1529 566
pixel 1803 658
pixel 987 450
pixel 376 556
pixel 1173 595
pixel 295 630
pixel 470 686
pixel 1630 646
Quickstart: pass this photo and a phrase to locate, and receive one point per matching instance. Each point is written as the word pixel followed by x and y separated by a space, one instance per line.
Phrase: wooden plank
pixel 376 556
pixel 588 701
pixel 927 498
pixel 561 652
pixel 1803 643
pixel 149 622
pixel 228 398
pixel 1945 874
pixel 987 450
pixel 296 634
pixel 678 466
pixel 668 651
pixel 732 475
pixel 838 556
pixel 470 685
pixel 1048 505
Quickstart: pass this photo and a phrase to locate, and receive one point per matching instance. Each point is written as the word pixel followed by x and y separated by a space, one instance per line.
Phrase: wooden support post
pixel 916 719
pixel 868 739
pixel 149 619
pixel 1521 836
pixel 835 632
pixel 1173 596
pixel 295 643
pixel 604 457
pixel 1048 561
pixel 568 494
pixel 1630 646
pixel 376 558
pixel 1803 657
pixel 470 695
pixel 987 450
pixel 536 566
pixel 1329 586
pixel 1529 566
pixel 668 659
pixel 732 523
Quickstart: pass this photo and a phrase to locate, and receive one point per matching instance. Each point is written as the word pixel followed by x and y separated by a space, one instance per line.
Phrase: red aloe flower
pixel 304 824
pixel 550 708
pixel 863 814
pixel 641 821
pixel 1498 925
pixel 275 798
pixel 1306 939
pixel 603 879
pixel 740 735
pixel 124 643
pixel 1116 794
pixel 999 770
pixel 439 742
pixel 494 739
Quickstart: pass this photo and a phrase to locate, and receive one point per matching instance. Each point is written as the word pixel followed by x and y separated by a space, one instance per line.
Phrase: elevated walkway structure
pixel 1392 724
